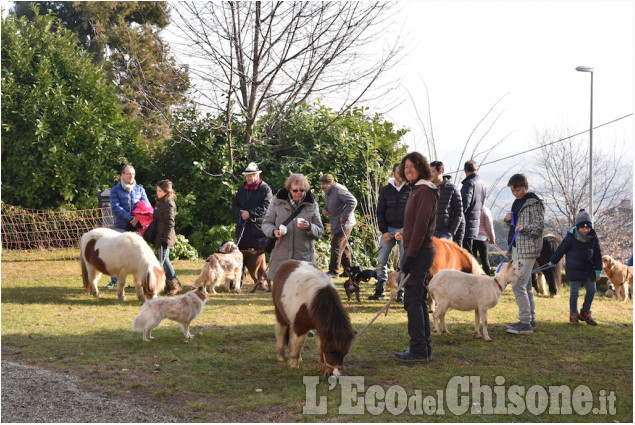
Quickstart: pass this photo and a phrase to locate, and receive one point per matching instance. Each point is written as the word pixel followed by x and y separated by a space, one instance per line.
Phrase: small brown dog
pixel 256 264
pixel 393 280
pixel 222 267
pixel 620 276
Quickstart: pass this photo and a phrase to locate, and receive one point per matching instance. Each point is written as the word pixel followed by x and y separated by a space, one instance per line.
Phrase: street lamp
pixel 590 69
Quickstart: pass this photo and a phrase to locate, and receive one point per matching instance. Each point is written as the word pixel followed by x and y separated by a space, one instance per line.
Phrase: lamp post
pixel 590 69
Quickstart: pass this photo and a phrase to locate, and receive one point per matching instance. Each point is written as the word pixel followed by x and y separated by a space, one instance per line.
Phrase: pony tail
pixel 153 281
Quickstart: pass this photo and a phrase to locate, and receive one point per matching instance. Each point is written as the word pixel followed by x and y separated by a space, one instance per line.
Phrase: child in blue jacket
pixel 583 265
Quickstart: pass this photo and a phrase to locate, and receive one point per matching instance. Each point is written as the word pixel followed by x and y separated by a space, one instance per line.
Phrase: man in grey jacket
pixel 473 194
pixel 340 205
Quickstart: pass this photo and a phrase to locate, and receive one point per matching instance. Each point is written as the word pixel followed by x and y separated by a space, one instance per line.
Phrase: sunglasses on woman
pixel 298 190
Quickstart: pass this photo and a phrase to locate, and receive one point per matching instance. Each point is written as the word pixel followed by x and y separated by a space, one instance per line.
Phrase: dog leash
pixel 509 249
pixel 541 268
pixel 393 296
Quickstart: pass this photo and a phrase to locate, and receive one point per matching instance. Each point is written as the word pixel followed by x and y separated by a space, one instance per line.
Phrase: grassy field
pixel 228 372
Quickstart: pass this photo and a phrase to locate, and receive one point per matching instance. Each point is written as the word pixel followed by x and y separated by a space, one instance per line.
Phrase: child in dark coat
pixel 583 265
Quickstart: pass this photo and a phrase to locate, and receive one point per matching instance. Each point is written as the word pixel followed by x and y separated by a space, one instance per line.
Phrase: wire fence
pixel 27 229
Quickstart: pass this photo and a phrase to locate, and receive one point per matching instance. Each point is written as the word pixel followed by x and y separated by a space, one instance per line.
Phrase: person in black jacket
pixel 449 206
pixel 391 206
pixel 250 206
pixel 473 194
pixel 583 265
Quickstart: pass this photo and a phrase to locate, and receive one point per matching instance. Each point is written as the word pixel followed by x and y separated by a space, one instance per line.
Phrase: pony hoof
pixel 293 363
pixel 478 336
pixel 122 298
pixel 280 357
pixel 488 339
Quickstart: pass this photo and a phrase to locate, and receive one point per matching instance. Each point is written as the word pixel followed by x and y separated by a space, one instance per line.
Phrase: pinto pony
pixel 305 298
pixel 106 251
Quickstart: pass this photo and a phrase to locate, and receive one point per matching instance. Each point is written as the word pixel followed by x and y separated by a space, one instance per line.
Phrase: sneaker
pixel 111 285
pixel 376 296
pixel 410 357
pixel 331 274
pixel 520 328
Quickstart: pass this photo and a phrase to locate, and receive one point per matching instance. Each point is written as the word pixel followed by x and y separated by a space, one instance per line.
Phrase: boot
pixel 172 287
pixel 573 319
pixel 380 292
pixel 586 316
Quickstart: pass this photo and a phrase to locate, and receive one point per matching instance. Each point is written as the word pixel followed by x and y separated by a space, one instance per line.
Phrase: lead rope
pixel 393 296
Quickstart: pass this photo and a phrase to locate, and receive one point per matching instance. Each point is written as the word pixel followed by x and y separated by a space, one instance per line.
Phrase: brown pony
pixel 553 275
pixel 305 298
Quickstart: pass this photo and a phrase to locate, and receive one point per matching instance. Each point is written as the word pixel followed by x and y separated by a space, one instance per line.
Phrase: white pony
pixel 106 251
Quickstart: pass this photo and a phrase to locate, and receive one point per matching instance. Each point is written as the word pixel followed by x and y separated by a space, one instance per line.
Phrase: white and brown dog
pixel 620 276
pixel 181 309
pixel 221 268
pixel 464 291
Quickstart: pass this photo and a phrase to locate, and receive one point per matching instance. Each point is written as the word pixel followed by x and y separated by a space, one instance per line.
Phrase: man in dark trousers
pixel 391 206
pixel 250 206
pixel 340 205
pixel 473 194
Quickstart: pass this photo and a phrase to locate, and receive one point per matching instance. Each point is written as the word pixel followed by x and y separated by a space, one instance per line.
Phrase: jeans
pixel 589 285
pixel 523 290
pixel 443 235
pixel 340 251
pixel 385 248
pixel 480 252
pixel 114 279
pixel 164 257
pixel 415 303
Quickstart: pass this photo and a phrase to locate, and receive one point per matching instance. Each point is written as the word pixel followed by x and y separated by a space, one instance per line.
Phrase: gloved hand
pixel 405 267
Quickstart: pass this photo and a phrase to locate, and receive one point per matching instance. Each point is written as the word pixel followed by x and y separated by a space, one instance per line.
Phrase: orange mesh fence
pixel 27 229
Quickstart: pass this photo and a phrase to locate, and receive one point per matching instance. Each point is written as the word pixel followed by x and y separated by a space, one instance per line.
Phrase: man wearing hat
pixel 250 206
pixel 340 205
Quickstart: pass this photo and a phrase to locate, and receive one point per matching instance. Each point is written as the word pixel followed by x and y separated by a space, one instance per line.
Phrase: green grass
pixel 229 371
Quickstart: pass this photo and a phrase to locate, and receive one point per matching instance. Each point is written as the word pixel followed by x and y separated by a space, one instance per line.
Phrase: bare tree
pixel 565 180
pixel 273 56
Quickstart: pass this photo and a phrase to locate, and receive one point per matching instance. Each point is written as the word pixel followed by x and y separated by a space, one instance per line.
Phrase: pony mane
pixel 327 311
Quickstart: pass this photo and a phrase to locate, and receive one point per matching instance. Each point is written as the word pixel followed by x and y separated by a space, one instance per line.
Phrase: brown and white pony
pixel 449 255
pixel 106 251
pixel 304 299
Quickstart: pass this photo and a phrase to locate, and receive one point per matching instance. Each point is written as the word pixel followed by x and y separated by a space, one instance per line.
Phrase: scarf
pixel 293 202
pixel 582 238
pixel 252 186
pixel 128 187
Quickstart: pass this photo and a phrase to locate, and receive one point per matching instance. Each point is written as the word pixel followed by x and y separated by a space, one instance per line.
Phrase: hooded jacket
pixel 584 259
pixel 420 217
pixel 531 216
pixel 391 206
pixel 296 244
